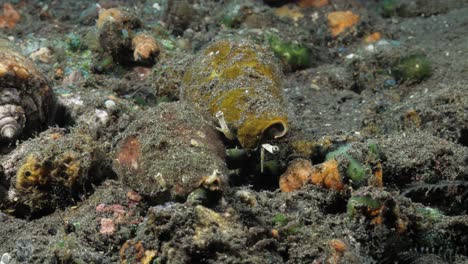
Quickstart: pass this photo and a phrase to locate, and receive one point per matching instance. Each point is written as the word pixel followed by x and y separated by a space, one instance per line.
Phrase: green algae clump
pixel 389 8
pixel 294 55
pixel 413 69
pixel 357 172
pixel 241 80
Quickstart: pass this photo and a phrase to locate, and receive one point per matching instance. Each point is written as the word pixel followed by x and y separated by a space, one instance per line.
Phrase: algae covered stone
pixel 51 171
pixel 169 152
pixel 242 81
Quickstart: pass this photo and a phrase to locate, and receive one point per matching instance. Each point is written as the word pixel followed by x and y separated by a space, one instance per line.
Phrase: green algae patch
pixel 389 8
pixel 358 172
pixel 294 55
pixel 412 69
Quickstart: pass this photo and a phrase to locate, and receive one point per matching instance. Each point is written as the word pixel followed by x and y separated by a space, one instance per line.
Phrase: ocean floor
pixel 238 131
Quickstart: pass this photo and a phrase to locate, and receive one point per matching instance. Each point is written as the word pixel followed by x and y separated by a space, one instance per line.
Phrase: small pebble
pixel 102 117
pixel 110 105
pixel 6 258
pixel 247 197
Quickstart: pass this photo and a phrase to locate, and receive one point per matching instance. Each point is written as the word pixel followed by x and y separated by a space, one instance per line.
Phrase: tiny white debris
pixel 157 6
pixel 102 117
pixel 327 125
pixel 370 48
pixel 70 100
pixel 6 258
pixel 314 16
pixel 12 195
pixel 350 56
pixel 382 43
pixel 11 38
pixel 447 53
pixel 270 148
pixel 43 55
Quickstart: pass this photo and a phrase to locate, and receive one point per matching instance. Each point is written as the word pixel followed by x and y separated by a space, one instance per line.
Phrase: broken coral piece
pixel 10 16
pixel 144 47
pixel 327 175
pixel 371 38
pixel 296 176
pixel 300 172
pixel 107 226
pixel 339 21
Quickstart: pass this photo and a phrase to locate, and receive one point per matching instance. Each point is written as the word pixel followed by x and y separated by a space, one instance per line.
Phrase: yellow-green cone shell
pixel 243 80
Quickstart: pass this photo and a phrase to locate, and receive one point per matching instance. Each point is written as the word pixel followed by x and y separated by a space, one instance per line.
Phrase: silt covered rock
pixel 50 171
pixel 169 152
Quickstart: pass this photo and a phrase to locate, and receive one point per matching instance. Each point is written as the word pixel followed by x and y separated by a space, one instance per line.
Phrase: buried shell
pixel 169 152
pixel 241 81
pixel 26 100
pixel 50 171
